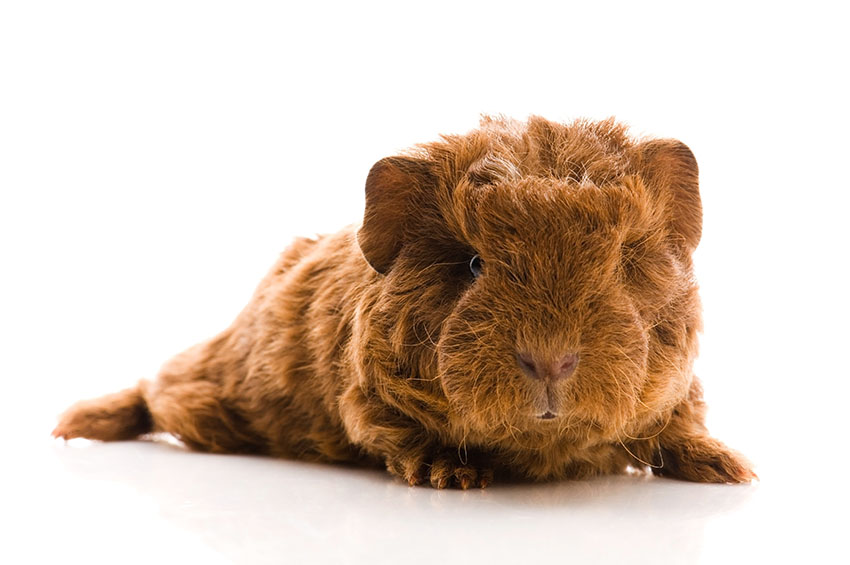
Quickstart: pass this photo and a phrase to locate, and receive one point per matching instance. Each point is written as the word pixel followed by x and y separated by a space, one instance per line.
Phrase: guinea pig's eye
pixel 475 265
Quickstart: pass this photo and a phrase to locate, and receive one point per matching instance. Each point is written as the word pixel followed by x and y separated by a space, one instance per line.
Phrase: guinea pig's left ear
pixel 397 190
pixel 669 165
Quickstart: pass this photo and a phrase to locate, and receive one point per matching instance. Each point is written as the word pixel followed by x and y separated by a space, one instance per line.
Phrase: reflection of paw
pixel 705 460
pixel 445 469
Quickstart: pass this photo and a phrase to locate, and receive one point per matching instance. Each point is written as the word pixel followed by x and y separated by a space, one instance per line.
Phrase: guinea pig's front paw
pixel 704 460
pixel 441 468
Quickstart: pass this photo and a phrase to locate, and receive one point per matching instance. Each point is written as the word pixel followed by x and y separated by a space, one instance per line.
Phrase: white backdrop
pixel 155 157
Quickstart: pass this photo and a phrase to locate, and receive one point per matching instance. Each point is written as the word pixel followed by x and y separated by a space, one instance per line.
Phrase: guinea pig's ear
pixel 395 189
pixel 669 165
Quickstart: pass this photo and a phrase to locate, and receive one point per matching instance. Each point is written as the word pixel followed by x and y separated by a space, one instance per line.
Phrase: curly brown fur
pixel 568 356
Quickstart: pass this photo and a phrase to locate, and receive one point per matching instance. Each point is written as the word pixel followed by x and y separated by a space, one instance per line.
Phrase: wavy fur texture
pixel 378 345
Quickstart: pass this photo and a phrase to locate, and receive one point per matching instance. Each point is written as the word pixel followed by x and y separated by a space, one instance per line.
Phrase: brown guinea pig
pixel 519 301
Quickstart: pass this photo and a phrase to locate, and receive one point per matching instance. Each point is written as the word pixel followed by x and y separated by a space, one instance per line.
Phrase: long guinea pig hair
pixel 518 301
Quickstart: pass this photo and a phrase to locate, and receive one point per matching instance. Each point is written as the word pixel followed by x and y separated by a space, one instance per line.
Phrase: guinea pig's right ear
pixel 670 166
pixel 395 189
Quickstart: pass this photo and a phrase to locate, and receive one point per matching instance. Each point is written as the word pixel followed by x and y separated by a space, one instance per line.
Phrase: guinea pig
pixel 518 302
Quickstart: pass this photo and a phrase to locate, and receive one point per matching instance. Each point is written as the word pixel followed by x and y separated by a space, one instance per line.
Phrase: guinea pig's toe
pixel 441 473
pixel 485 477
pixel 409 468
pixel 413 478
pixel 466 477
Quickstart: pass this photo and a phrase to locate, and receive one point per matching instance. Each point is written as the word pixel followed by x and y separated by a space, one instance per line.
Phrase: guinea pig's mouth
pixel 547 404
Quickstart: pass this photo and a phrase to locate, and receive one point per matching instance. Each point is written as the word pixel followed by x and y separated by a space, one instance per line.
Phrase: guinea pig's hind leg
pixel 115 417
pixel 196 412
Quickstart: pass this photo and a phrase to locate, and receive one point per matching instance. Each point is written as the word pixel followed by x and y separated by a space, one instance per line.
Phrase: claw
pixel 439 482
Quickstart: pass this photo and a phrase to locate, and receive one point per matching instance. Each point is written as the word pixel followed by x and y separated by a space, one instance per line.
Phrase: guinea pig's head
pixel 541 274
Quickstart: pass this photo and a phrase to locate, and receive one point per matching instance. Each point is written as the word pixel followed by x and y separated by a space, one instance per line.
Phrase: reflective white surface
pixel 140 502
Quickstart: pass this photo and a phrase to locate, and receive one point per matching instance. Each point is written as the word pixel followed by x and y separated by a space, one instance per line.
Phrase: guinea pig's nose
pixel 547 368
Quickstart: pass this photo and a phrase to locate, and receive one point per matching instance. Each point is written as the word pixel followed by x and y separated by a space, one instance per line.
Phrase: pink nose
pixel 547 368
